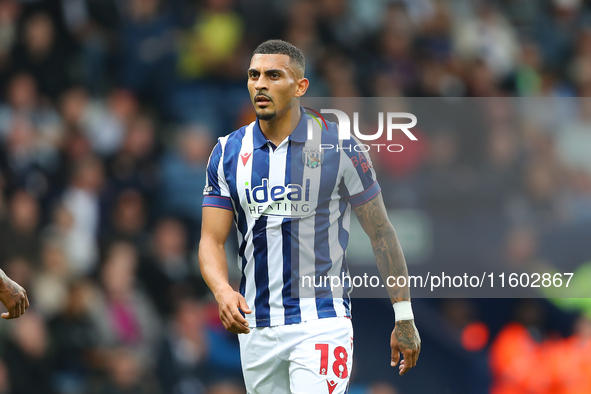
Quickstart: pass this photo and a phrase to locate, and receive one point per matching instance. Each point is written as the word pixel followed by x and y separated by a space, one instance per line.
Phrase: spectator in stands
pixel 20 232
pixel 184 352
pixel 75 335
pixel 127 374
pixel 28 358
pixel 50 282
pixel 134 164
pixel 146 49
pixel 123 315
pixel 182 176
pixel 24 100
pixel 210 48
pixel 92 118
pixel 10 11
pixel 42 54
pixel 489 38
pixel 128 220
pixel 82 200
pixel 94 26
pixel 169 273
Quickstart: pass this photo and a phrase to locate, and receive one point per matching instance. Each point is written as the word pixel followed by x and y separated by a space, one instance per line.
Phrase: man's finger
pixel 239 318
pixel 14 312
pixel 240 328
pixel 406 364
pixel 5 315
pixel 234 321
pixel 408 361
pixel 239 321
pixel 22 305
pixel 224 320
pixel 395 355
pixel 243 305
pixel 26 302
pixel 232 329
pixel 404 368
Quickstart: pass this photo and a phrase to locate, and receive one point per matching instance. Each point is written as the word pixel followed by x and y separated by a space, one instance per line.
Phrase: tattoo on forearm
pixel 386 247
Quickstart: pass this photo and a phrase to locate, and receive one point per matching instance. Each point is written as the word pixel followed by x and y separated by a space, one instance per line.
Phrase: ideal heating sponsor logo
pixel 344 128
pixel 291 200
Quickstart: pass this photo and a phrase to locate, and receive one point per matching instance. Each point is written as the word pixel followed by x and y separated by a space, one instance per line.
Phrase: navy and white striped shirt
pixel 292 206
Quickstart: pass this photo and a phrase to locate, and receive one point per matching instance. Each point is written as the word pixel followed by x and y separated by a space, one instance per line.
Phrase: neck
pixel 280 127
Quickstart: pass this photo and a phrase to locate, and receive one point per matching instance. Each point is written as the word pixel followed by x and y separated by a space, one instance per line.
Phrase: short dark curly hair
pixel 280 47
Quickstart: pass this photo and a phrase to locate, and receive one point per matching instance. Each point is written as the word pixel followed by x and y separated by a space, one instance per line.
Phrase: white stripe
pixel 307 231
pixel 277 163
pixel 224 190
pixel 336 251
pixel 347 227
pixel 243 175
pixel 347 214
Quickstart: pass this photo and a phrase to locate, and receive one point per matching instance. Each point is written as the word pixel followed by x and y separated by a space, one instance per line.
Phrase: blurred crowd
pixel 109 110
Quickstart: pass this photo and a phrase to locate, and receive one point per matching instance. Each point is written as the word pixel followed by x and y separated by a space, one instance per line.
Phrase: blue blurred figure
pixel 183 176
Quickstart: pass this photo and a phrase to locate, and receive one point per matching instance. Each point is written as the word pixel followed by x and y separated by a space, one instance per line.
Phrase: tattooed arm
pixel 390 260
pixel 13 296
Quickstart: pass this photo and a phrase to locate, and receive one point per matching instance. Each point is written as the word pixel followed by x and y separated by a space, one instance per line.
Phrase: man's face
pixel 272 82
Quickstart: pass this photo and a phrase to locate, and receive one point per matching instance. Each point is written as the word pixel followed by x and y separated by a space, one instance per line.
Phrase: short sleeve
pixel 358 176
pixel 216 192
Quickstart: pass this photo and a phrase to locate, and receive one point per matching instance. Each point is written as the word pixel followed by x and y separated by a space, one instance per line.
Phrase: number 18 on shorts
pixel 313 357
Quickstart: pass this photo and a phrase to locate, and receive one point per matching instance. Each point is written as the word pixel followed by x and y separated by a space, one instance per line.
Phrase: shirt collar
pixel 299 134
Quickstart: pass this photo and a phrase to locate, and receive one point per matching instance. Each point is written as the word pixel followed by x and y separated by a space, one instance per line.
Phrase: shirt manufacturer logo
pixel 245 156
pixel 331 385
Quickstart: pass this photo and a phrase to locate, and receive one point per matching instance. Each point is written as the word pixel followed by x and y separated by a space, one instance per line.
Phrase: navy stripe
pixel 261 272
pixel 323 263
pixel 218 202
pixel 344 241
pixel 212 169
pixel 291 253
pixel 260 171
pixel 366 195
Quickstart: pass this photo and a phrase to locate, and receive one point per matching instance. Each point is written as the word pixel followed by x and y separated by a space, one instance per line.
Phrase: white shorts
pixel 313 357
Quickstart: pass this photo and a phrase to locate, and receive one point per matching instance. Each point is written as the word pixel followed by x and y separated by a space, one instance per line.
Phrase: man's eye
pixel 275 75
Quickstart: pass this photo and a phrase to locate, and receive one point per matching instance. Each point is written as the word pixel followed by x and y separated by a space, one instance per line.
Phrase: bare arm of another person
pixel 215 228
pixel 13 296
pixel 390 260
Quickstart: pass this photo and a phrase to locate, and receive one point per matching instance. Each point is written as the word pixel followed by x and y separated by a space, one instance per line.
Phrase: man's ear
pixel 302 87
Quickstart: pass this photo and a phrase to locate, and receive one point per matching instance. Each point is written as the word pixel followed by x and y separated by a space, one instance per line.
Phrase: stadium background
pixel 108 112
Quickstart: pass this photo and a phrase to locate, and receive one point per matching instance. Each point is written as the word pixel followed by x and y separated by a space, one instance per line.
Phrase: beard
pixel 266 116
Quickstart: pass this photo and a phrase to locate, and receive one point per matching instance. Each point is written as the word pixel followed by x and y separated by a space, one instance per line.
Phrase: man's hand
pixel 406 340
pixel 228 302
pixel 13 296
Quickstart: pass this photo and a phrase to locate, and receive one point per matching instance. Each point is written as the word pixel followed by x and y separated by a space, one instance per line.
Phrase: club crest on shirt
pixel 312 157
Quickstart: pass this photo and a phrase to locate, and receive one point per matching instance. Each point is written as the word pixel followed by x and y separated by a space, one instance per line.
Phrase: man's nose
pixel 261 83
